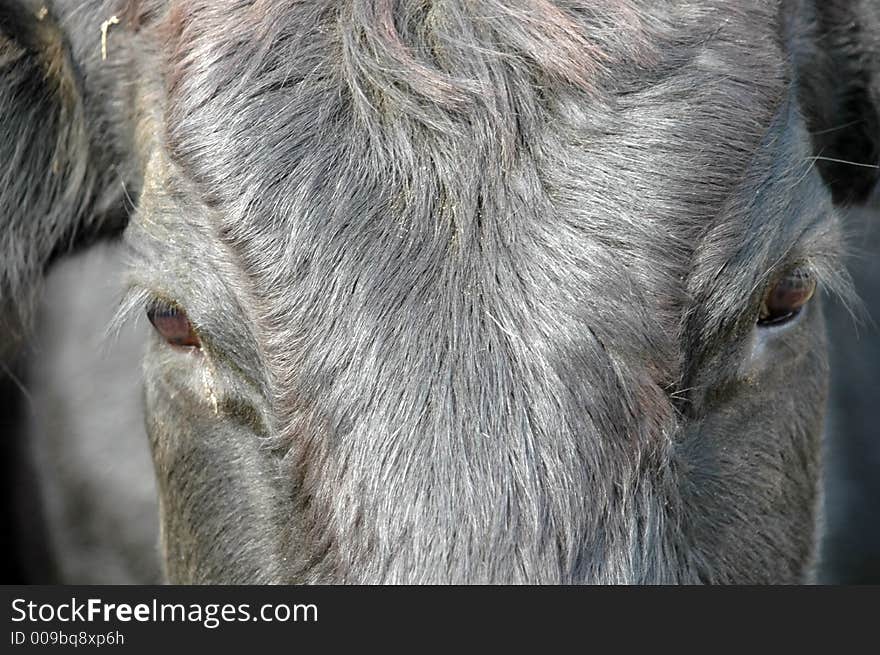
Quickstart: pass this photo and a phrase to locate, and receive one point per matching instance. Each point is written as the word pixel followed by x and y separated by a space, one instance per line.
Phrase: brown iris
pixel 173 325
pixel 787 296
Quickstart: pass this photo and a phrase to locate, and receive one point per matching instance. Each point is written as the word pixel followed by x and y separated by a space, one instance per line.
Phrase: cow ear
pixel 835 47
pixel 49 182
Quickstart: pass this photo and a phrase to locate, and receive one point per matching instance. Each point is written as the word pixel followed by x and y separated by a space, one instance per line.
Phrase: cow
pixel 496 292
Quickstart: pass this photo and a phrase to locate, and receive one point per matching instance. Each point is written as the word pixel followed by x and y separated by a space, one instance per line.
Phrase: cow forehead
pixel 266 79
pixel 266 92
pixel 546 169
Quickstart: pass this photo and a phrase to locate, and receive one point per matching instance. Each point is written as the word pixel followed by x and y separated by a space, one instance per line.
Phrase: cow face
pixel 479 292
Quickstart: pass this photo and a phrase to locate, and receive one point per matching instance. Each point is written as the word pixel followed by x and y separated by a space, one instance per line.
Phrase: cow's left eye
pixel 787 297
pixel 173 325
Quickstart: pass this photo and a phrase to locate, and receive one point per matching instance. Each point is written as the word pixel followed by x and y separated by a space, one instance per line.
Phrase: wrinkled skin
pixel 467 314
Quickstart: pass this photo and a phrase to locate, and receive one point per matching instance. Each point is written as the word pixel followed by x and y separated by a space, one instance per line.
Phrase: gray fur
pixel 476 284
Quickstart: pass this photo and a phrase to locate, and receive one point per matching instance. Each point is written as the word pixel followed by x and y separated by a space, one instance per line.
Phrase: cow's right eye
pixel 173 325
pixel 787 297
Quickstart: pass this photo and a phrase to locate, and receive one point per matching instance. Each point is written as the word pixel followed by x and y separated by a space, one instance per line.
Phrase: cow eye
pixel 787 296
pixel 173 325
